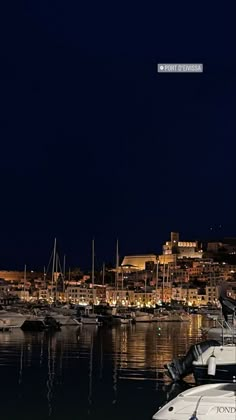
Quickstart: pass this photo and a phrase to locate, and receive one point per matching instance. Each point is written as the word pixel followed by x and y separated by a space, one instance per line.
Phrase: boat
pixel 13 319
pixel 224 329
pixel 210 312
pixel 142 317
pixel 216 364
pixel 4 326
pixel 120 315
pixel 161 315
pixel 224 332
pixel 208 361
pixel 205 402
pixel 64 320
pixel 89 319
pixel 48 323
pixel 125 320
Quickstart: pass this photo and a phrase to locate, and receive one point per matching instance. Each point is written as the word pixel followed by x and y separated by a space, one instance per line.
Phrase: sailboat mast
pixel 157 273
pixel 56 271
pixel 93 262
pixel 122 278
pixel 53 267
pixel 117 263
pixel 64 273
pixel 163 280
pixel 24 280
pixel 103 274
pixel 93 272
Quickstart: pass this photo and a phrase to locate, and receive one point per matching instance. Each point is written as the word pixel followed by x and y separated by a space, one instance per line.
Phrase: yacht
pixel 223 333
pixel 171 316
pixel 142 317
pixel 224 329
pixel 91 319
pixel 205 402
pixel 64 320
pixel 12 319
pixel 125 320
pixel 208 361
pixel 216 364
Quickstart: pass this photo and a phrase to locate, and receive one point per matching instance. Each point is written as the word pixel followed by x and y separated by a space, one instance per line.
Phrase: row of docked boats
pixel 213 365
pixel 17 317
pixel 124 317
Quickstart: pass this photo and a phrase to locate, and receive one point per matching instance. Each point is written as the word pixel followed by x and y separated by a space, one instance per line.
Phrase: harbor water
pixel 91 372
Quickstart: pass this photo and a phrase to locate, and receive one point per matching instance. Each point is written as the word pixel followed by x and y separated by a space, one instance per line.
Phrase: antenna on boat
pixel 194 415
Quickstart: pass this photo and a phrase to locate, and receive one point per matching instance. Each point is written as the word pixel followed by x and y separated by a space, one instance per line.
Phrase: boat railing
pixel 225 325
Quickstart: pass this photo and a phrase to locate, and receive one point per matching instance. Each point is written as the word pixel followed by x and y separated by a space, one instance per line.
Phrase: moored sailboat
pixel 90 318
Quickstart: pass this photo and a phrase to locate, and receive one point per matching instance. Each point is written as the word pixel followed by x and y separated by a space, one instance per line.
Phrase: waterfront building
pixel 231 290
pixel 17 276
pixel 162 294
pixel 132 297
pixel 44 294
pixel 100 293
pixel 80 295
pixel 120 297
pixel 143 299
pixel 22 294
pixel 212 294
pixel 225 245
pixel 186 295
pixel 4 286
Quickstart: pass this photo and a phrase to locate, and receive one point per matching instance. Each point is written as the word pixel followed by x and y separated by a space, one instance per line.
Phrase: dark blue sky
pixel 94 142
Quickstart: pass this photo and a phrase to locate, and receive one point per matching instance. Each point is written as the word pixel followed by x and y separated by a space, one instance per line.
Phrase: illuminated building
pixel 138 262
pixel 176 249
pixel 82 295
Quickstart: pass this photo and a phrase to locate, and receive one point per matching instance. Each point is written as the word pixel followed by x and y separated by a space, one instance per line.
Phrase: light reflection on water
pixel 90 372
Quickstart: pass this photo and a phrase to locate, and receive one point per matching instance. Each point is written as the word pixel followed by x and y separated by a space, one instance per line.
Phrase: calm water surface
pixel 90 372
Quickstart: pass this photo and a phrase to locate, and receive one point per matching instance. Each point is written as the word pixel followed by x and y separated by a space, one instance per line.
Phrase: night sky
pixel 96 143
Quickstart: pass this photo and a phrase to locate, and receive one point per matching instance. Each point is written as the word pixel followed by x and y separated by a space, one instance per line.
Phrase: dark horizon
pixel 96 143
pixel 72 260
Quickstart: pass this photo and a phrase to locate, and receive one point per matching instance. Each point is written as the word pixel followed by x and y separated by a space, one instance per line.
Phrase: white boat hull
pixel 206 402
pixel 143 317
pixel 12 319
pixel 89 321
pixel 125 320
pixel 225 365
pixel 64 320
